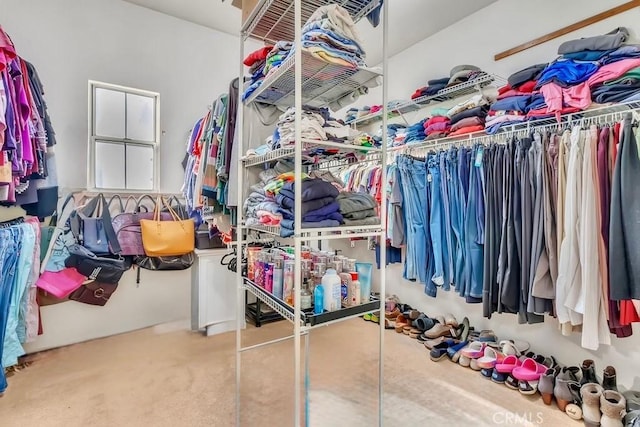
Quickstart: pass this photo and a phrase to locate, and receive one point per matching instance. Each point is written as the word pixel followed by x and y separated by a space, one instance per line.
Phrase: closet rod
pixel 569 29
pixel 567 120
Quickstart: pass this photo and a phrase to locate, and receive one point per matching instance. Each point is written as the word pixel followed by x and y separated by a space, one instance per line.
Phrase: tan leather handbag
pixel 167 238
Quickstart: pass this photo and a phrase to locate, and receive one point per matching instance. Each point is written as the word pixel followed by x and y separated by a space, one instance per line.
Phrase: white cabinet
pixel 213 293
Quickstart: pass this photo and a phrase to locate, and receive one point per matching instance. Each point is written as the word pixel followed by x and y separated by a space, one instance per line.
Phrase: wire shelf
pixel 266 229
pixel 273 20
pixel 322 82
pixel 326 233
pixel 276 304
pixel 315 153
pixel 307 317
pixel 446 94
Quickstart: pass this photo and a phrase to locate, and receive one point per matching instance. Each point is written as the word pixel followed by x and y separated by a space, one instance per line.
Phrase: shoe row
pixel 577 391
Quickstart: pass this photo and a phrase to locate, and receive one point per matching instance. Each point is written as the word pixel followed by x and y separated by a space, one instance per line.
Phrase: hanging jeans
pixel 437 222
pixel 456 211
pixel 12 346
pixel 9 250
pixel 462 281
pixel 445 180
pixel 473 233
pixel 413 177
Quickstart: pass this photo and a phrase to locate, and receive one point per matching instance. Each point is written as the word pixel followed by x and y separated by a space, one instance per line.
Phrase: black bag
pixel 101 269
pixel 181 262
pixel 205 241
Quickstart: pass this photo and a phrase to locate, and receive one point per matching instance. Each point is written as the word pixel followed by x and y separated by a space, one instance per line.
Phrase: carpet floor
pixel 166 377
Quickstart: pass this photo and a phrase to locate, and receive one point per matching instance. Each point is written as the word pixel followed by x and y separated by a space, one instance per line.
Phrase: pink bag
pixel 62 283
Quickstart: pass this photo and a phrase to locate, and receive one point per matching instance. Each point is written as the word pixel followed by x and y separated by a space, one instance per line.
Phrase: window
pixel 123 138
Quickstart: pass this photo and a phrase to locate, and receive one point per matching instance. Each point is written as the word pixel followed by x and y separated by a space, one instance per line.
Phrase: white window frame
pixel 93 138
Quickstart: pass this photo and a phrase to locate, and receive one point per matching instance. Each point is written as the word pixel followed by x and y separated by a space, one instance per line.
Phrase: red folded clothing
pixel 528 87
pixel 505 88
pixel 419 92
pixel 434 120
pixel 467 129
pixel 511 93
pixel 257 56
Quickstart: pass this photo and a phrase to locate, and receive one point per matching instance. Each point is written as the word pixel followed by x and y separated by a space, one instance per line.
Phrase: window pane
pixel 110 113
pixel 140 117
pixel 139 167
pixel 110 165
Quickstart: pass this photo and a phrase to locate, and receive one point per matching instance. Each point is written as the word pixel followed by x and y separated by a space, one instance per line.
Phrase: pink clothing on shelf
pixel 269 218
pixel 557 97
pixel 613 71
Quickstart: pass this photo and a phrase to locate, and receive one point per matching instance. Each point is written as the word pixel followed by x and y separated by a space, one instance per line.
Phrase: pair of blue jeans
pixel 437 223
pixel 9 253
pixel 12 347
pixel 457 205
pixel 413 178
pixel 474 266
pixel 447 200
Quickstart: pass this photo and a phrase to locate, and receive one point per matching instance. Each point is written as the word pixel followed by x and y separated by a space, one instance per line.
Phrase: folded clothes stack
pixel 589 71
pixel 319 207
pixel 415 132
pixel 514 109
pixel 459 74
pixel 625 88
pixel 276 56
pixel 330 34
pixel 256 61
pixel 469 115
pixel 260 207
pixel 396 135
pixel 437 127
pixel 358 208
pixel 317 124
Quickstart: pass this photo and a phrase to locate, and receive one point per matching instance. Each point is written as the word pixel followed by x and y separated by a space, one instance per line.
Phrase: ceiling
pixel 409 20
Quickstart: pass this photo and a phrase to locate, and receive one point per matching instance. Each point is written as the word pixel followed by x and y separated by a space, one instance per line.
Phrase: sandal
pixel 454 351
pixel 489 359
pixel 439 352
pixel 439 330
pixel 413 333
pixel 514 347
pixel 423 323
pixel 401 322
pixel 391 315
pixel 528 375
pixel 450 320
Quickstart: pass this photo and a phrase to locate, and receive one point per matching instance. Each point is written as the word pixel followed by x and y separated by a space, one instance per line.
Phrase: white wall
pixel 475 40
pixel 73 41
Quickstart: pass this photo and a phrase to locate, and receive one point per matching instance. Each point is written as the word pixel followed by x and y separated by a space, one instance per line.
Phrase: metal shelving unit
pixel 446 94
pixel 322 82
pixel 274 20
pixel 306 80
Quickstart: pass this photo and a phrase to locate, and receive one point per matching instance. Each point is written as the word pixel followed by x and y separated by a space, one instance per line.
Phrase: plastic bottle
pixel 258 272
pixel 278 265
pixel 364 270
pixel 345 279
pixel 332 288
pixel 268 277
pixel 305 296
pixel 288 282
pixel 318 299
pixel 354 290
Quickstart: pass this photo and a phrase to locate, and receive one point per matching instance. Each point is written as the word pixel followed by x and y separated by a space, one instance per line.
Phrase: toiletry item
pixel 332 287
pixel 278 276
pixel 354 290
pixel 252 258
pixel 345 279
pixel 288 282
pixel 364 270
pixel 318 299
pixel 349 266
pixel 268 277
pixel 305 296
pixel 258 273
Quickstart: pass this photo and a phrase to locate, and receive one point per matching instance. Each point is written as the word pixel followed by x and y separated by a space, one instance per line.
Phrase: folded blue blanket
pixel 312 189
